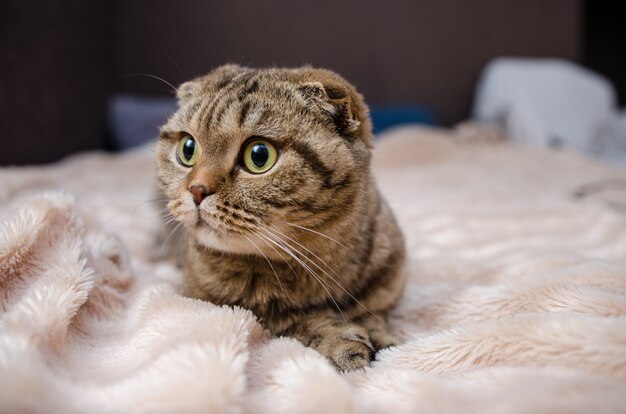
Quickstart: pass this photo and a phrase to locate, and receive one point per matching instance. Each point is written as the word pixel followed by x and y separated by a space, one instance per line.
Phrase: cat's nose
pixel 200 192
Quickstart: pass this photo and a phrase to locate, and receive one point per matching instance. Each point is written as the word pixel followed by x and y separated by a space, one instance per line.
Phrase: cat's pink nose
pixel 200 192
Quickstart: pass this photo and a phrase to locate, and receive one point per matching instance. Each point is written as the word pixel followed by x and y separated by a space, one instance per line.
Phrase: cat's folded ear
pixel 217 78
pixel 188 90
pixel 335 96
pixel 335 102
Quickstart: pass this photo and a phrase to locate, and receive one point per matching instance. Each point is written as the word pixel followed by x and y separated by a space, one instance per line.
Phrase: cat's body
pixel 308 244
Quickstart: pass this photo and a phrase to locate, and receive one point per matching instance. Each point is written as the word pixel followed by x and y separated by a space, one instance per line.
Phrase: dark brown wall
pixel 428 52
pixel 56 73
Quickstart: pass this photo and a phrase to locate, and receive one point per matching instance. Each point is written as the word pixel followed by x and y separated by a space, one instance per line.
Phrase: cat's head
pixel 254 156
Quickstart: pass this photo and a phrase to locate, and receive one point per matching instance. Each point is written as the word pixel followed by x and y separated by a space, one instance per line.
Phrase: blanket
pixel 515 299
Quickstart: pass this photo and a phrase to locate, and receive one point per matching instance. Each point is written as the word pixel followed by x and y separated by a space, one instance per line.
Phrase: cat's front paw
pixel 349 350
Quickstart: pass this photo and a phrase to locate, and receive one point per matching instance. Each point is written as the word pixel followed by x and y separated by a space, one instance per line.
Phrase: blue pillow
pixel 384 117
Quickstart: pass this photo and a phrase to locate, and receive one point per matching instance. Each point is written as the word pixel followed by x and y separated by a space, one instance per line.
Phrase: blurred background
pixel 80 75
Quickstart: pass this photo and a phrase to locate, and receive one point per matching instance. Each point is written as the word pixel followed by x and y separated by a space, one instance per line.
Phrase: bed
pixel 515 300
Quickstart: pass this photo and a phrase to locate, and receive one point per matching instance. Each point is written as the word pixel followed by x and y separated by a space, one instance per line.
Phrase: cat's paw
pixel 350 350
pixel 382 340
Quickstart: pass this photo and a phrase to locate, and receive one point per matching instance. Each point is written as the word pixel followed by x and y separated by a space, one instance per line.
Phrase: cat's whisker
pixel 289 250
pixel 168 222
pixel 135 208
pixel 169 237
pixel 153 77
pixel 315 232
pixel 168 219
pixel 132 209
pixel 172 60
pixel 321 269
pixel 309 251
pixel 167 213
pixel 269 263
pixel 311 272
pixel 277 252
pixel 142 201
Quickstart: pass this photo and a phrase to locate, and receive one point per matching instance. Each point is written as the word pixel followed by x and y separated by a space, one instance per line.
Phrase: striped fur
pixel 309 246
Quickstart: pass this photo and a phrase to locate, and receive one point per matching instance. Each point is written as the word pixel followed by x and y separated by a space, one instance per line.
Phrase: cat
pixel 269 172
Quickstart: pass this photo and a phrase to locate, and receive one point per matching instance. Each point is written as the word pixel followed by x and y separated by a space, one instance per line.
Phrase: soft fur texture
pixel 515 300
pixel 309 246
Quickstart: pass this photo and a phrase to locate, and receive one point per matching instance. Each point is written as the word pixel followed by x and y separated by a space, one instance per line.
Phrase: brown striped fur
pixel 309 246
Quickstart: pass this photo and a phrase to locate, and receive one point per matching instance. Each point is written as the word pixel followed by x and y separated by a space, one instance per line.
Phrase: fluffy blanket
pixel 515 302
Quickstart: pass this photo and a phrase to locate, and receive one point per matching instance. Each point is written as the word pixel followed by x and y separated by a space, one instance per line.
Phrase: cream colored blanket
pixel 515 302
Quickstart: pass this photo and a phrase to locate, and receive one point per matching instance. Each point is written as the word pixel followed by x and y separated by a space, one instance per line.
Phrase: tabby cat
pixel 268 171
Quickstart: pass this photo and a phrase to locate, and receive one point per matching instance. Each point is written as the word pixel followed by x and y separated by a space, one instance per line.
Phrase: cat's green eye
pixel 259 156
pixel 187 151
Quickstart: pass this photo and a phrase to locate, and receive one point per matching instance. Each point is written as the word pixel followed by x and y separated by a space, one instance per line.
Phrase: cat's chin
pixel 227 241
